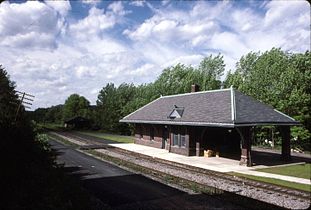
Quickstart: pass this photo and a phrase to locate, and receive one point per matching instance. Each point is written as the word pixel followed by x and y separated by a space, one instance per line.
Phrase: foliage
pixel 30 177
pixel 8 99
pixel 53 114
pixel 178 79
pixel 112 105
pixel 280 79
pixel 116 102
pixel 210 70
pixel 75 105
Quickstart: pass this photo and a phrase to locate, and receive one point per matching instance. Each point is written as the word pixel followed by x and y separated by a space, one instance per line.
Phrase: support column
pixel 199 143
pixel 245 134
pixel 285 133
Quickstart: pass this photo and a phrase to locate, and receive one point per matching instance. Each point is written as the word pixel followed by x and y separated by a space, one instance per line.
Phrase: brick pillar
pixel 245 134
pixel 285 133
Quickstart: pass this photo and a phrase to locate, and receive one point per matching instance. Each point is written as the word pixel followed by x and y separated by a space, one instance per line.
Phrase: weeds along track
pixel 212 180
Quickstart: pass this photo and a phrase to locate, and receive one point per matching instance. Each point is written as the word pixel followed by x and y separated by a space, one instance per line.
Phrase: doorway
pixel 165 137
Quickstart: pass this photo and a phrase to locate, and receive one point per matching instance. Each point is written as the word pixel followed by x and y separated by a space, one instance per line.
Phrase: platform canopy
pixel 216 108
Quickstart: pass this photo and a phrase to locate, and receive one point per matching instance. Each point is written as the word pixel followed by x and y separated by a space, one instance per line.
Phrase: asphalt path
pixel 121 189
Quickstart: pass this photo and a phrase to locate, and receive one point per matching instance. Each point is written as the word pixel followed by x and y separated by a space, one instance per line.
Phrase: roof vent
pixel 176 113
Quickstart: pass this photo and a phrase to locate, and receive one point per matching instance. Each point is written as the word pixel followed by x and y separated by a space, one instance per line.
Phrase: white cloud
pixel 85 71
pixel 187 60
pixel 142 70
pixel 174 36
pixel 91 2
pixel 29 25
pixel 117 8
pixel 60 6
pixel 138 3
pixel 229 43
pixel 96 22
pixel 176 25
pixel 165 2
pixel 51 54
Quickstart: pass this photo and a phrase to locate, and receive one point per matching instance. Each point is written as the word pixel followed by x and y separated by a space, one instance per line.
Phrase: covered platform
pixel 208 122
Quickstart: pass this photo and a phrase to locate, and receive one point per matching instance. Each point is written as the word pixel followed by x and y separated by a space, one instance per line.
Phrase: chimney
pixel 195 88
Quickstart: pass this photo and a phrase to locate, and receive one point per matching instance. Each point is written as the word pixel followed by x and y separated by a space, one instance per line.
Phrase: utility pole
pixel 24 99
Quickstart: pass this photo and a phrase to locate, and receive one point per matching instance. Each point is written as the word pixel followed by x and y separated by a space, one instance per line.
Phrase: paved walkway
pixel 212 163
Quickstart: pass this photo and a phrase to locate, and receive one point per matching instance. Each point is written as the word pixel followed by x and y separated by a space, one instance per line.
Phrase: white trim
pixel 233 108
pixel 192 93
pixel 230 125
pixel 180 123
pixel 285 115
pixel 140 108
pixel 266 123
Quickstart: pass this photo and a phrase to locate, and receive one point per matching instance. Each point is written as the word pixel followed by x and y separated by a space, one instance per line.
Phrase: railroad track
pixel 277 195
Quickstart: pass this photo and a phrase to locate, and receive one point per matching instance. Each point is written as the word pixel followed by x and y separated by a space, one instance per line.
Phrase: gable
pixel 176 113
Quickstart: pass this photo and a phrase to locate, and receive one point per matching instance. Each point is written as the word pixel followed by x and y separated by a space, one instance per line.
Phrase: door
pixel 165 137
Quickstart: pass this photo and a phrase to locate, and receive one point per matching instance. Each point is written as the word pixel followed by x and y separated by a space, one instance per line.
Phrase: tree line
pixel 275 77
pixel 30 176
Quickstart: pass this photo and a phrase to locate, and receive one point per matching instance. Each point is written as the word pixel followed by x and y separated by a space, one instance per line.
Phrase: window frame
pixel 180 134
pixel 175 137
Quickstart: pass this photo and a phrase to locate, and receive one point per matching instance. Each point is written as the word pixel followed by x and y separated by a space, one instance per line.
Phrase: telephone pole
pixel 25 99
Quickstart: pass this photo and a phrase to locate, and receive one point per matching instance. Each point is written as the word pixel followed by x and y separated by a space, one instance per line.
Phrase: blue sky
pixel 55 48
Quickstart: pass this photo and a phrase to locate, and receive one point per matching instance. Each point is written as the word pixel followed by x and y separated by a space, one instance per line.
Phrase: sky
pixel 52 49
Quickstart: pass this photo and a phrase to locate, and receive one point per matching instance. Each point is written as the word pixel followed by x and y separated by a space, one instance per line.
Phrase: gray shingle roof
pixel 225 107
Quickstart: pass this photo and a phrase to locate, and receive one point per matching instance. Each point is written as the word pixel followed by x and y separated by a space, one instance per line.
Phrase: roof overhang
pixel 211 124
pixel 228 125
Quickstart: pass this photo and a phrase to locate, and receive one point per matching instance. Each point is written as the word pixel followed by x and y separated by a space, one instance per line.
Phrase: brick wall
pixel 143 135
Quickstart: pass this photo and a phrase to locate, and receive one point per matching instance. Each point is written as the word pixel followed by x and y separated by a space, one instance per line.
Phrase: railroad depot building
pixel 219 121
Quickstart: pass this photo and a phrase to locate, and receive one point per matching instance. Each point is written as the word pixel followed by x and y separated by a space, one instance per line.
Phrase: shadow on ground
pixel 272 159
pixel 138 192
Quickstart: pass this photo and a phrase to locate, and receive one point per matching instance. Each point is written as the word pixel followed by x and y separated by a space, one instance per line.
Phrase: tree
pixel 108 108
pixel 211 69
pixel 76 105
pixel 8 99
pixel 113 105
pixel 280 79
pixel 179 78
pixel 174 80
pixel 116 102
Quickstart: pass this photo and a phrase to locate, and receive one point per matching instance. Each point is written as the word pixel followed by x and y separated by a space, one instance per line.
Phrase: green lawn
pixel 51 126
pixel 292 185
pixel 301 170
pixel 112 137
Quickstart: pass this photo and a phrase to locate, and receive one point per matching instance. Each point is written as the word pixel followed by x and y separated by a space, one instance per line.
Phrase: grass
pixel 112 137
pixel 279 182
pixel 301 170
pixel 60 139
pixel 52 126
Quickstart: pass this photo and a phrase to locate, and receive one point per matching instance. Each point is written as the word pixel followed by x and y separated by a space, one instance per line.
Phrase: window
pixel 175 139
pixel 177 112
pixel 179 137
pixel 182 140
